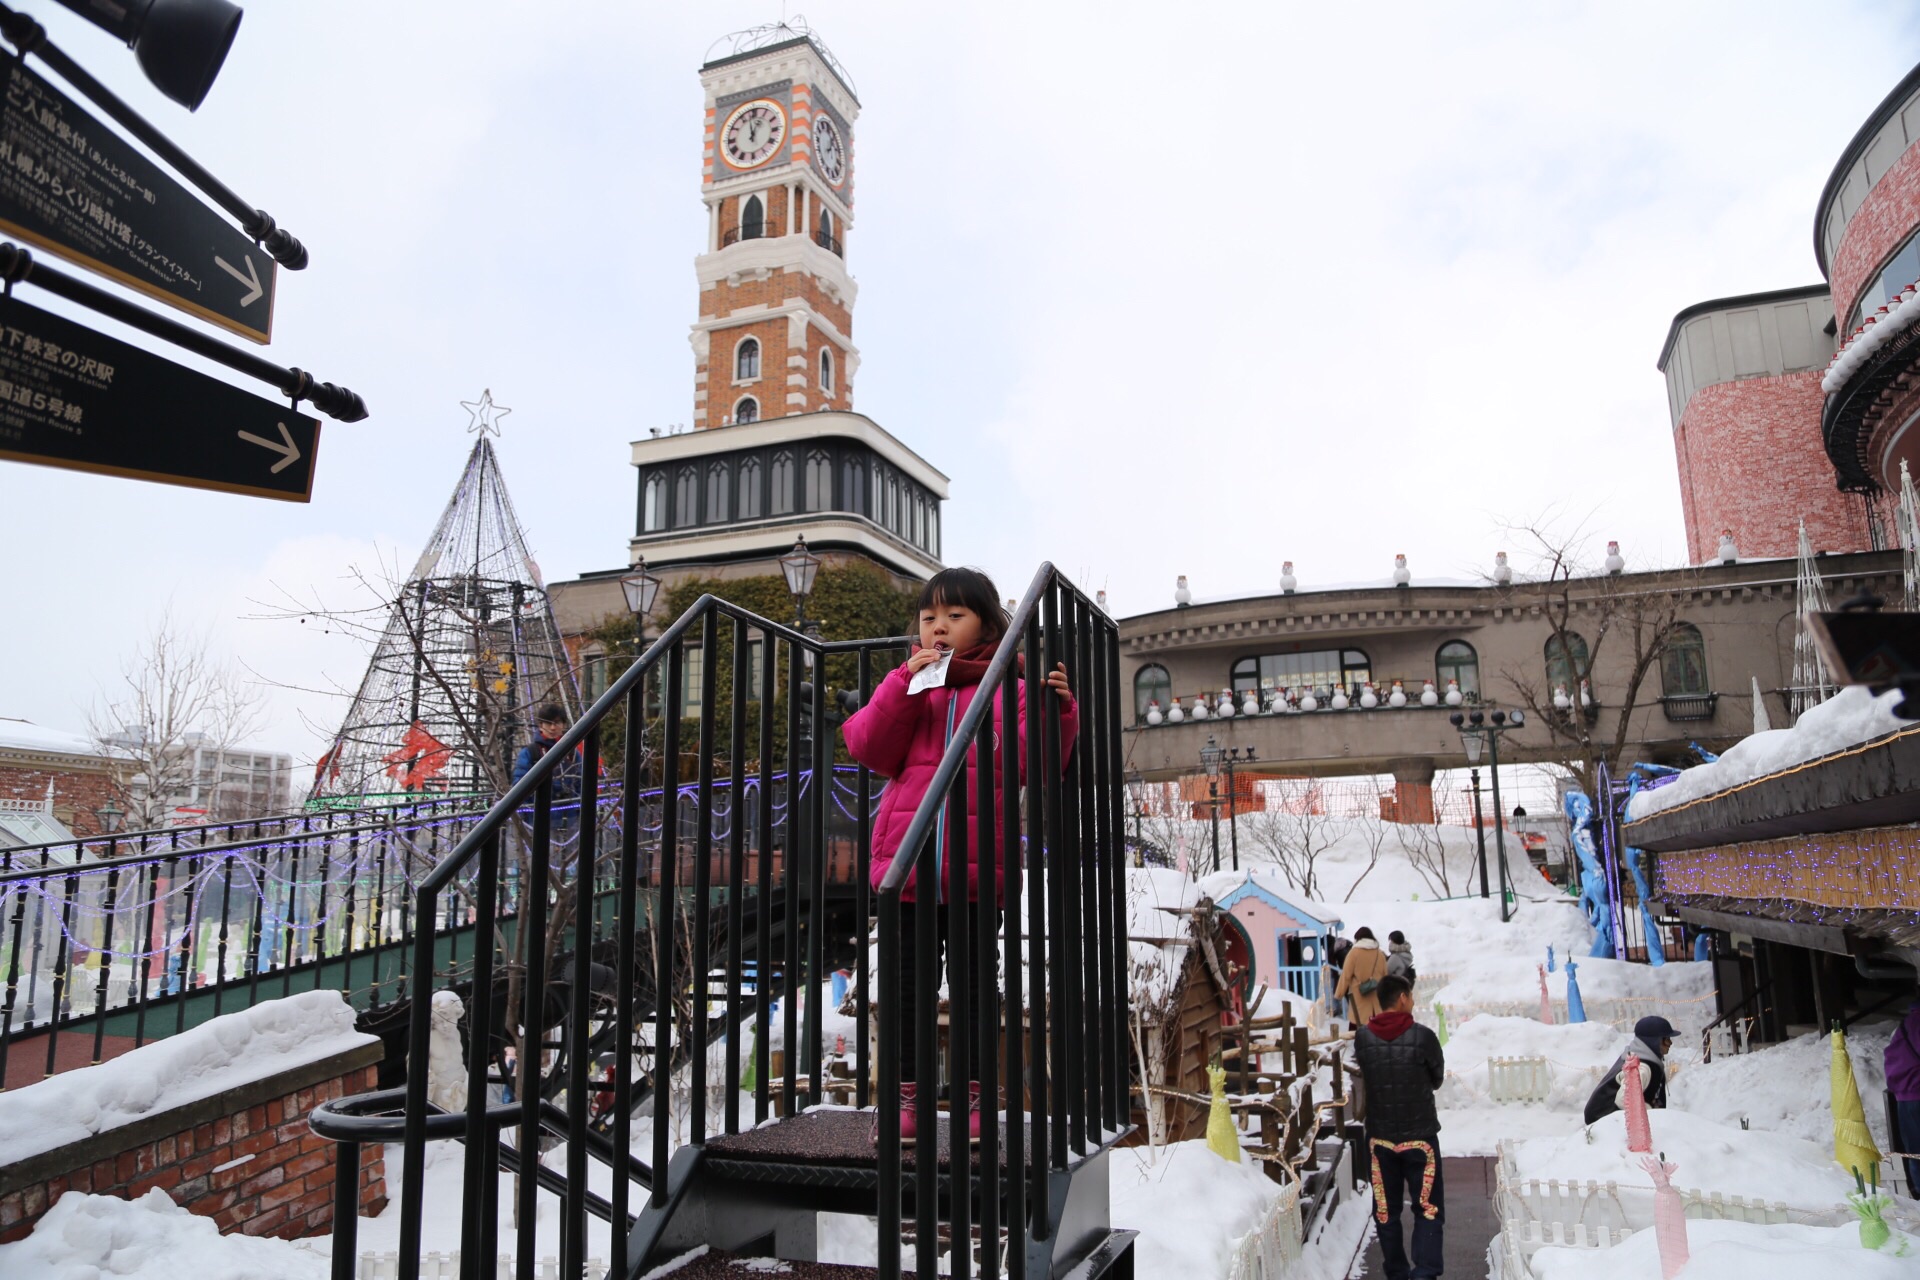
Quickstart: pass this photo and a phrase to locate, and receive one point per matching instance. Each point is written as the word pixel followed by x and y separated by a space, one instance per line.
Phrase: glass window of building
pixel 782 483
pixel 1683 663
pixel 753 219
pixel 1902 269
pixel 1458 662
pixel 746 359
pixel 749 507
pixel 593 676
pixel 819 481
pixel 933 529
pixel 719 489
pixel 826 371
pixel 1151 684
pixel 653 503
pixel 748 410
pixel 1320 670
pixel 686 498
pixel 1567 664
pixel 853 485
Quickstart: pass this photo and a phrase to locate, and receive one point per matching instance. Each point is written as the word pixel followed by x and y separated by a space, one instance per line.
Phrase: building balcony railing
pixel 1690 706
pixel 827 242
pixel 749 231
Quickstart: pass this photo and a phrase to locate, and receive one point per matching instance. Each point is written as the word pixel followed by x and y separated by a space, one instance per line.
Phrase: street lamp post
pixel 1479 822
pixel 641 589
pixel 1210 761
pixel 1233 796
pixel 1479 731
pixel 799 566
pixel 1137 793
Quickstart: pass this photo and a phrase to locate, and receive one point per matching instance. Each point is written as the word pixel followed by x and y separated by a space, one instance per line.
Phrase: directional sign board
pixel 73 398
pixel 74 187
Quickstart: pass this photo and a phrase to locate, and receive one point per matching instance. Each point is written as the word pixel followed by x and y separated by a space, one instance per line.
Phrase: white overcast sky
pixel 1163 288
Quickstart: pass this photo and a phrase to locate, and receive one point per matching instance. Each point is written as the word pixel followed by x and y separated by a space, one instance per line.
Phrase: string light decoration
pixel 469 650
pixel 1836 875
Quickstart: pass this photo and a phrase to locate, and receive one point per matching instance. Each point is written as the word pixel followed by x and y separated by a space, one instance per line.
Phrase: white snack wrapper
pixel 931 676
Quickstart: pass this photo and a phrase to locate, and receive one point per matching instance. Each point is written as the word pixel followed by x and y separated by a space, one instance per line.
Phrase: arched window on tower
pixel 753 219
pixel 1458 662
pixel 749 507
pixel 653 503
pixel 746 360
pixel 686 498
pixel 782 483
pixel 933 529
pixel 819 481
pixel 826 370
pixel 824 236
pixel 719 489
pixel 748 410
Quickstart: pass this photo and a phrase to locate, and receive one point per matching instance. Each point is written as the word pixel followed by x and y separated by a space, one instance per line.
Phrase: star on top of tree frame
pixel 485 414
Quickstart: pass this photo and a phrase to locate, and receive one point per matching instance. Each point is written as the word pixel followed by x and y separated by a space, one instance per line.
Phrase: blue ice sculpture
pixel 1593 878
pixel 1636 861
pixel 1576 1010
pixel 1549 957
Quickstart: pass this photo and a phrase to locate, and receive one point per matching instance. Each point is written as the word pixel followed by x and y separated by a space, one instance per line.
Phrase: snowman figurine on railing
pixel 1368 698
pixel 1454 696
pixel 1224 709
pixel 1429 696
pixel 1307 701
pixel 1199 711
pixel 1398 698
pixel 1153 712
pixel 1174 713
pixel 1250 704
pixel 1339 701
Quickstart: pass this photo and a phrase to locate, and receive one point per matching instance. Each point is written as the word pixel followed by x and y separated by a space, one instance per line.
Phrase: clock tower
pixel 774 337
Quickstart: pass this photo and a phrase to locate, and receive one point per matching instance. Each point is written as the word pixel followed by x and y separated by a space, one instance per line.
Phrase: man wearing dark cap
pixel 1652 1040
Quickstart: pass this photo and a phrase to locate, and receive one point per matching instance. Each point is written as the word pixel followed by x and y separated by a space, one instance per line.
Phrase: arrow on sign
pixel 284 445
pixel 251 279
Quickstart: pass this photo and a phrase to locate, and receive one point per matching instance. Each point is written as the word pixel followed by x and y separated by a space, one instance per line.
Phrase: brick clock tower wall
pixel 777 180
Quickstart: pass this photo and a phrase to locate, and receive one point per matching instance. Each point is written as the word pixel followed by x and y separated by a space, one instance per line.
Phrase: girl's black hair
pixel 1396 936
pixel 970 589
pixel 1363 933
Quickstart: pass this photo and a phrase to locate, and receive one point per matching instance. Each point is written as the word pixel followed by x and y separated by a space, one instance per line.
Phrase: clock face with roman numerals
pixel 753 133
pixel 829 150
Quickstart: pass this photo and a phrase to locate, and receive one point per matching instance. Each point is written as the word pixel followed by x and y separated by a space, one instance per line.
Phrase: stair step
pixel 717 1264
pixel 842 1139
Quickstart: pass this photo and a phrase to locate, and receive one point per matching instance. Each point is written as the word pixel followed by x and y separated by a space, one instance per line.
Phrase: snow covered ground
pixel 1738 1251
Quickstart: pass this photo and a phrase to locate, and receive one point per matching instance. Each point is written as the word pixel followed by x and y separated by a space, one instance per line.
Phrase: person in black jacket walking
pixel 1403 1065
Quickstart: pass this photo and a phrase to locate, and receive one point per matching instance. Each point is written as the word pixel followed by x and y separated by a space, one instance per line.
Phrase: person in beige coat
pixel 1360 976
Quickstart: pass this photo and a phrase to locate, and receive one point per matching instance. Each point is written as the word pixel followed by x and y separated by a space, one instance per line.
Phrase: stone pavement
pixel 1471 1222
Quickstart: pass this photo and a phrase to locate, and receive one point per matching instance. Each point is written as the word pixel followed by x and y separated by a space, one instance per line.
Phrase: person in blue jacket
pixel 550 723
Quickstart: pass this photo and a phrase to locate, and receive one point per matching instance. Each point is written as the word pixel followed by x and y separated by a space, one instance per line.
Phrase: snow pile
pixel 1723 1250
pixel 222 1054
pixel 86 1237
pixel 1874 332
pixel 1577 1055
pixel 1711 1157
pixel 1784 1088
pixel 1189 1205
pixel 1848 718
pixel 1616 993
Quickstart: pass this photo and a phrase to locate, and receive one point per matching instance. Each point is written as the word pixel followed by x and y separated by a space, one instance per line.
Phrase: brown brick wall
pixel 724 299
pixel 1751 460
pixel 260 1170
pixel 77 796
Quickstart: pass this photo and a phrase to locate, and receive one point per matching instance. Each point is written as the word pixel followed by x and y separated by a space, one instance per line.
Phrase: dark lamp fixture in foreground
pixel 180 44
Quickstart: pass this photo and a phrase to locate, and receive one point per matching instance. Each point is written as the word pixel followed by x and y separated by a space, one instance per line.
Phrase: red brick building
pixel 34 759
pixel 1799 404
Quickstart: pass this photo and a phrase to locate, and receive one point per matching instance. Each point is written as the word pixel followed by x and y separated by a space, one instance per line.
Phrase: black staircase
pixel 727 696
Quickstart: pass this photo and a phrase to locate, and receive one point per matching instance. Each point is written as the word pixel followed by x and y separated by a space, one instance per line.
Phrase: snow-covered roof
pixel 25 735
pixel 1850 717
pixel 1253 887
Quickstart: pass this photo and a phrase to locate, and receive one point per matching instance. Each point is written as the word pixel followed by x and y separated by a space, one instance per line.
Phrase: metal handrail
pixel 827 242
pixel 737 234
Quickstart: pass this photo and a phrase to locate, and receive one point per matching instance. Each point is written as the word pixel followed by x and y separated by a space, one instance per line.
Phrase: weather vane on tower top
pixel 485 413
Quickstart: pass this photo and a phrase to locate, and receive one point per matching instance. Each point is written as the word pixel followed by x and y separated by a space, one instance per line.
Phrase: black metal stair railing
pixel 724 701
pixel 1062 923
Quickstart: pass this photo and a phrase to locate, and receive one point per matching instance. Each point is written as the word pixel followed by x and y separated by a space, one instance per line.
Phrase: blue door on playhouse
pixel 1285 943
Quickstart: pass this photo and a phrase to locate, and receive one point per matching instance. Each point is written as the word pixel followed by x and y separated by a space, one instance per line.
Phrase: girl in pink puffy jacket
pixel 902 733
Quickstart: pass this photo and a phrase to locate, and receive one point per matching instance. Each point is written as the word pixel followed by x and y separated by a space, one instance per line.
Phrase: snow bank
pixel 1711 1157
pixel 1852 716
pixel 86 1237
pixel 1783 1088
pixel 1188 1204
pixel 1737 1251
pixel 222 1054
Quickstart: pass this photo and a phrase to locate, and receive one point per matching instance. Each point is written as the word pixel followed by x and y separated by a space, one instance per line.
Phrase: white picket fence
pixel 1270 1250
pixel 1537 1212
pixel 446 1266
pixel 1526 1079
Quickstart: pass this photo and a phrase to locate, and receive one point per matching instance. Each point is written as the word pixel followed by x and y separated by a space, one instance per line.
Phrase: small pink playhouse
pixel 1274 942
